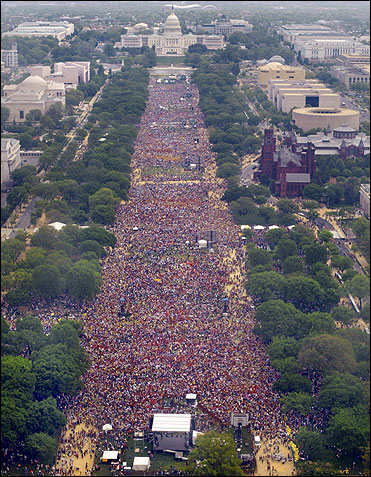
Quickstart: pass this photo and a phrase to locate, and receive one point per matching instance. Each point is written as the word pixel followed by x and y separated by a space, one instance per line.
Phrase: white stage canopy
pixel 171 423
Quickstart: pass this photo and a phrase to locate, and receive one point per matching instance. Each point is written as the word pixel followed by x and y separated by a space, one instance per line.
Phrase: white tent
pixel 202 243
pixel 258 227
pixel 109 455
pixel 57 225
pixel 191 396
pixel 243 227
pixel 107 427
pixel 272 227
pixel 171 422
pixel 141 463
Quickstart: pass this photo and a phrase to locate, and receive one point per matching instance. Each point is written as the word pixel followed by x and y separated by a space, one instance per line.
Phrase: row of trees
pixel 297 319
pixel 223 107
pixel 56 262
pixel 91 188
pixel 35 371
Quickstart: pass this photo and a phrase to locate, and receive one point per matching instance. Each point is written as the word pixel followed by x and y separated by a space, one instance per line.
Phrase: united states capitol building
pixel 172 42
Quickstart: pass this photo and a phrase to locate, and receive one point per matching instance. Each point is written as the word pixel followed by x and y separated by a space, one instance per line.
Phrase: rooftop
pixel 171 423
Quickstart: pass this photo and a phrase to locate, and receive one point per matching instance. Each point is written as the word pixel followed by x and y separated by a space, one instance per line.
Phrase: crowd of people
pixel 156 330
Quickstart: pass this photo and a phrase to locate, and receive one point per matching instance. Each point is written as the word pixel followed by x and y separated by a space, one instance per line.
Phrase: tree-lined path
pixel 174 339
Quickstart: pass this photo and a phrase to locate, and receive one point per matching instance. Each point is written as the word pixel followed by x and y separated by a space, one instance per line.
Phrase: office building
pixel 322 49
pixel 224 26
pixel 289 94
pixel 58 30
pixel 70 73
pixel 277 70
pixel 10 57
pixel 291 32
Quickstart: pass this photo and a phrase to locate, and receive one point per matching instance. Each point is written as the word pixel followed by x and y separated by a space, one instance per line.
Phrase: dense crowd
pixel 156 330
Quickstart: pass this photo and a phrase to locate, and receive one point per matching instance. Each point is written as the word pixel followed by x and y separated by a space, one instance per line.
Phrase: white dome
pixel 172 26
pixel 34 81
pixel 277 59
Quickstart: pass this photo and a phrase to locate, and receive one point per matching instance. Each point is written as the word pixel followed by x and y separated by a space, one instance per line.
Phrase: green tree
pixel 29 333
pixel 334 193
pixel 343 315
pixel 103 196
pixel 341 390
pixel 359 286
pixel 66 334
pixel 47 280
pixel 349 430
pixel 265 285
pixel 103 214
pixel 99 234
pixel 315 253
pixel 17 379
pixel 56 370
pixel 302 235
pixel 285 248
pixel 45 237
pixel 299 402
pixel 259 256
pixel 304 292
pixel 13 420
pixel 311 443
pixel 277 318
pixel 341 262
pixel 83 280
pixel 17 196
pixel 5 113
pixel 326 354
pixel 273 236
pixel 293 265
pixel 281 348
pixel 214 455
pixel 292 382
pixel 41 446
pixel 313 191
pixel 44 416
pixel 287 206
pixel 324 235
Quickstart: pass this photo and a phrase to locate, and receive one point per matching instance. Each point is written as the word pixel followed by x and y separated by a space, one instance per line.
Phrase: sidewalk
pixel 269 466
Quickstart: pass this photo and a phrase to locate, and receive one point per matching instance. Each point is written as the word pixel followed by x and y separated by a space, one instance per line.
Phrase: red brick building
pixel 290 165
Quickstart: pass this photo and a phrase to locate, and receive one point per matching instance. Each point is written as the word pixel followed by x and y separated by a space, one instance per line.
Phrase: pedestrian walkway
pixel 274 459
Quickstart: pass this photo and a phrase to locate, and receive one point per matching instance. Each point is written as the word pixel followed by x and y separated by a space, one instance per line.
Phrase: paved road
pixel 25 219
pixel 248 172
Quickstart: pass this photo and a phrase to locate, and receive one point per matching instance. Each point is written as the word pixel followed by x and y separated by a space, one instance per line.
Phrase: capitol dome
pixel 172 26
pixel 34 81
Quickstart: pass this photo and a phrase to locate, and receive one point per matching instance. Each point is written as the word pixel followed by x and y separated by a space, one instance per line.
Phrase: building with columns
pixel 172 42
pixel 33 93
pixel 10 157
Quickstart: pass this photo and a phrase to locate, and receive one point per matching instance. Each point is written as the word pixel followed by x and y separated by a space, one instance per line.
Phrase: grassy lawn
pixel 167 61
pixel 139 448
